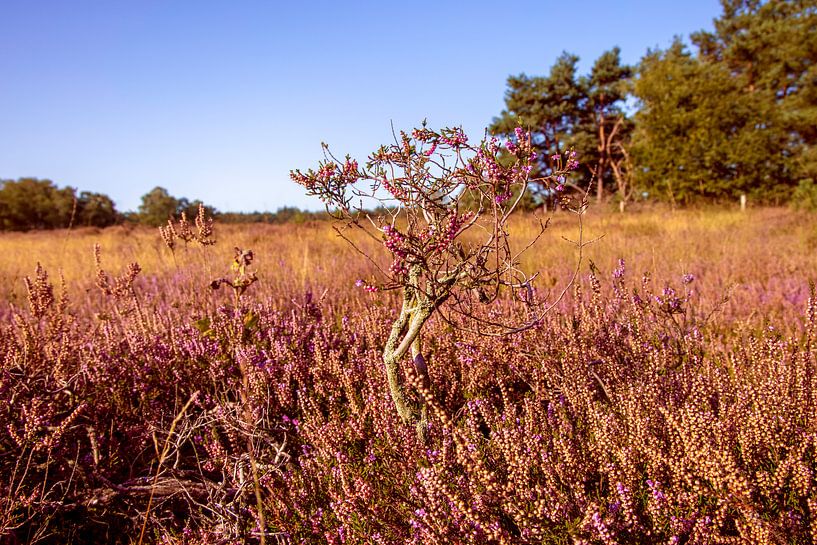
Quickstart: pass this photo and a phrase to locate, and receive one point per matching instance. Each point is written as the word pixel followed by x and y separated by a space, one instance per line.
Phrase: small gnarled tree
pixel 444 208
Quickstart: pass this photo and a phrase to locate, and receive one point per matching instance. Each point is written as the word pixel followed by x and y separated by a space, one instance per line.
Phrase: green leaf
pixel 203 325
pixel 250 320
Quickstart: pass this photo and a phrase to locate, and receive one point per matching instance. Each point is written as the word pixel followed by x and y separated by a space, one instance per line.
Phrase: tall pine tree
pixel 698 135
pixel 564 110
pixel 772 47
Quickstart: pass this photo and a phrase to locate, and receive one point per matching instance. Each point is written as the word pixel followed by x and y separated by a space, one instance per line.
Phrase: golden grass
pixel 765 253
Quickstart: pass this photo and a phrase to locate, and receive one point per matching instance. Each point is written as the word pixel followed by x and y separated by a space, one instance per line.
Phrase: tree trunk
pixel 599 182
pixel 405 335
pixel 602 149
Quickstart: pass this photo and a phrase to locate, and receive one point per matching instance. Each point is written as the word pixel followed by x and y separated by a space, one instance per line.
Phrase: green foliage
pixel 699 135
pixel 286 214
pixel 564 110
pixel 30 203
pixel 158 206
pixel 772 46
pixel 96 209
pixel 804 196
pixel 741 116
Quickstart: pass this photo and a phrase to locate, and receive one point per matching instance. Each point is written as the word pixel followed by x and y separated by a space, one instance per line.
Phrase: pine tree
pixel 772 47
pixel 699 134
pixel 564 110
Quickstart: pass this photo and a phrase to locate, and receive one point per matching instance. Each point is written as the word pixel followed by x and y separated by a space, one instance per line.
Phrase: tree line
pixel 31 203
pixel 735 114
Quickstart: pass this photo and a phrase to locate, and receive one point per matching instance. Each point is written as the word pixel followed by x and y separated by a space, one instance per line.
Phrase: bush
pixel 804 196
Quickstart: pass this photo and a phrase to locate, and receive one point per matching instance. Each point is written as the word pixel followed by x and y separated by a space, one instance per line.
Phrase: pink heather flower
pixel 619 272
pixel 502 197
pixel 359 283
pixel 326 172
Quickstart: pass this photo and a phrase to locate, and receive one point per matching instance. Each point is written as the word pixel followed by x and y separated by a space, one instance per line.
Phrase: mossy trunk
pixel 406 335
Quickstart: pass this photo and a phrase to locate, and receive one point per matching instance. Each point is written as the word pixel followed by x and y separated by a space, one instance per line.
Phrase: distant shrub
pixel 804 196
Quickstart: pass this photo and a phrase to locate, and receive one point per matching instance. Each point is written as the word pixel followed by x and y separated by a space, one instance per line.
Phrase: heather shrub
pixel 612 418
pixel 436 189
pixel 641 409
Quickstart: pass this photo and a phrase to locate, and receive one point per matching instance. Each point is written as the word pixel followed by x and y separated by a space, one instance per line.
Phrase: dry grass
pixel 765 256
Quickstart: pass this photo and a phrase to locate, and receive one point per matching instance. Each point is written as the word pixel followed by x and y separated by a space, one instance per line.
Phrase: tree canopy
pixel 158 206
pixel 735 114
pixel 699 135
pixel 564 110
pixel 31 203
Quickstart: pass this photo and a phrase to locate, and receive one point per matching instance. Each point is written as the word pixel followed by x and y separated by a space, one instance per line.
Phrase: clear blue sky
pixel 218 100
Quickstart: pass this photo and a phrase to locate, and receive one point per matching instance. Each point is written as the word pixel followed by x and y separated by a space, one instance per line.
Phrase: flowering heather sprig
pixel 445 239
pixel 119 287
pixel 185 231
pixel 620 270
pixel 370 288
pixel 395 242
pixel 40 292
pixel 669 301
pixel 330 180
pixel 600 528
pixel 628 506
pixel 572 161
pixel 168 234
pixel 204 227
pixel 395 191
pixel 522 147
pixel 424 135
pixel 454 138
pixel 55 437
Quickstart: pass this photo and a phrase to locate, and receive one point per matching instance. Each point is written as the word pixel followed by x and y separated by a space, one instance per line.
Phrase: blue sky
pixel 218 100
